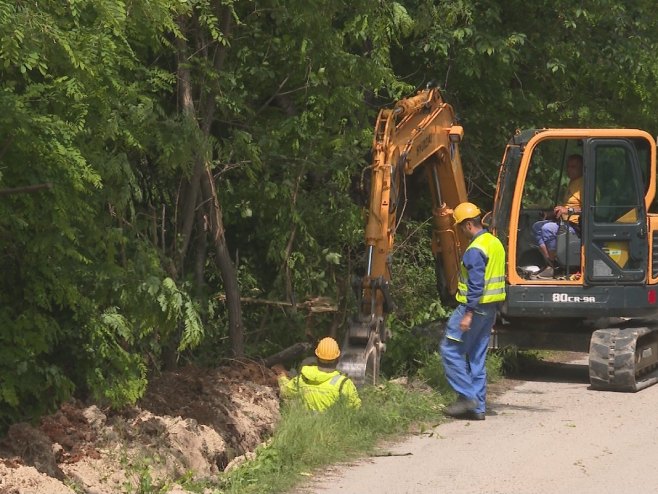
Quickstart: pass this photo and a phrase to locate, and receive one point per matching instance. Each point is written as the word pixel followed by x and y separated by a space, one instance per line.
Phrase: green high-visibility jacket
pixel 319 389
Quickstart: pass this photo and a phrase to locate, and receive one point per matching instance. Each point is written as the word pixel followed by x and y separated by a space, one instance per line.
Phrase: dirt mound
pixel 191 420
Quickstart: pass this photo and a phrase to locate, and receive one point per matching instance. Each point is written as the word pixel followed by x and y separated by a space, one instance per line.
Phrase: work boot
pixel 474 416
pixel 463 406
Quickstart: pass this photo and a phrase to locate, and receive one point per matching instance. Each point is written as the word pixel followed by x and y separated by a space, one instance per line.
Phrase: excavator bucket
pixel 360 357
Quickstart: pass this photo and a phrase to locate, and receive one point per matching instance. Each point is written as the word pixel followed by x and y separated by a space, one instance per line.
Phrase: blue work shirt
pixel 475 263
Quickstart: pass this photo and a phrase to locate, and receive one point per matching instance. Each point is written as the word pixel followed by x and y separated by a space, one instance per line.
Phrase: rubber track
pixel 612 360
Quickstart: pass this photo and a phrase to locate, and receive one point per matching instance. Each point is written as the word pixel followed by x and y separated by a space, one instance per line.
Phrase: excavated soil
pixel 192 420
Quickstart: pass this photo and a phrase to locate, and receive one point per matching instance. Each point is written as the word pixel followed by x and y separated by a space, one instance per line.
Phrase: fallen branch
pixel 25 190
pixel 287 354
pixel 318 304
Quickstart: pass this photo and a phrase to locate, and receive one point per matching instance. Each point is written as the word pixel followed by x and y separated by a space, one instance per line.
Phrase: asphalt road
pixel 547 434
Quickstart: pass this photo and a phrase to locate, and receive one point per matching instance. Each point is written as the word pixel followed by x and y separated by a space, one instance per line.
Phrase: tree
pixel 73 294
pixel 200 201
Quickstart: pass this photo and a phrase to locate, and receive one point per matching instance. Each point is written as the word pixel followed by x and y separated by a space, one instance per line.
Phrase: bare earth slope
pixel 550 434
pixel 191 420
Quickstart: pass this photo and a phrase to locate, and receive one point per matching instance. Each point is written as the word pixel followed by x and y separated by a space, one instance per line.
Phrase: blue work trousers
pixel 546 233
pixel 464 353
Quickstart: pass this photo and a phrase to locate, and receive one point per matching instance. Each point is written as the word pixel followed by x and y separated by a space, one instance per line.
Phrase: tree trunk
pixel 192 185
pixel 224 264
pixel 203 177
pixel 201 252
pixel 285 268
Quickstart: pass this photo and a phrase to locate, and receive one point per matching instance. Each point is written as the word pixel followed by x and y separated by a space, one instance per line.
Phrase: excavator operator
pixel 481 288
pixel 546 230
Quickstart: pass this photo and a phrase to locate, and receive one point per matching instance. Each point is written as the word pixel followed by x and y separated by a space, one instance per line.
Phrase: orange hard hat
pixel 327 349
pixel 465 211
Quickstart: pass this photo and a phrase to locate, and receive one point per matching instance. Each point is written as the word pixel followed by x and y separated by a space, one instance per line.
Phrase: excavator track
pixel 623 359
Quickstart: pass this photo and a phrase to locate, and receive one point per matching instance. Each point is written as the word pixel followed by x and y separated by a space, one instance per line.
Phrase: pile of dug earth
pixel 203 421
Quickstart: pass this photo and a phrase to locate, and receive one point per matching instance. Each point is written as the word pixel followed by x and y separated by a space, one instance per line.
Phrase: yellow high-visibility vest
pixel 494 273
pixel 320 389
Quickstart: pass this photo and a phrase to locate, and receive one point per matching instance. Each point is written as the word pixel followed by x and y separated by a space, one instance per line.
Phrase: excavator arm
pixel 418 132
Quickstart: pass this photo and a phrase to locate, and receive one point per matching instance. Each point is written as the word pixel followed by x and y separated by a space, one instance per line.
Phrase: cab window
pixel 616 199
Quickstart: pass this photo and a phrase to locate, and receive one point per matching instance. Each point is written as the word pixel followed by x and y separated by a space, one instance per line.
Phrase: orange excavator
pixel 603 295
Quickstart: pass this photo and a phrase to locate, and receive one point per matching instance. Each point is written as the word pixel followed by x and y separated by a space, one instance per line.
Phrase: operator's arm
pixel 475 263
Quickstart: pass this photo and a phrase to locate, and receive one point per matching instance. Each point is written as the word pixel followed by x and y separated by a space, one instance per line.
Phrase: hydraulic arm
pixel 418 132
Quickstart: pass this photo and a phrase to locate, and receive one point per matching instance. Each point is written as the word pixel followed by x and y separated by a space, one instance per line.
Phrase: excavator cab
pixel 606 242
pixel 602 250
pixel 545 187
pixel 606 259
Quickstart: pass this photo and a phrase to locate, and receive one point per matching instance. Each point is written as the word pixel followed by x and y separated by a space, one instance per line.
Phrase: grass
pixel 305 441
pixel 497 364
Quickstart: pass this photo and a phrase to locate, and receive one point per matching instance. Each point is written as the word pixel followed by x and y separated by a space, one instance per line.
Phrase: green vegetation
pixel 196 153
pixel 305 441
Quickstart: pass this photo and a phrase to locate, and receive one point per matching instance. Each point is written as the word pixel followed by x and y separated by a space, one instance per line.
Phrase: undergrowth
pixel 306 441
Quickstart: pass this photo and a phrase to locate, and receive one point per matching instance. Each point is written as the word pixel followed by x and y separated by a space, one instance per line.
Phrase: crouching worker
pixel 321 386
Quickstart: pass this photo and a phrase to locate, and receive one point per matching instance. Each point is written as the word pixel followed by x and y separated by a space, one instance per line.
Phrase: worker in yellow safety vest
pixel 320 386
pixel 480 290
